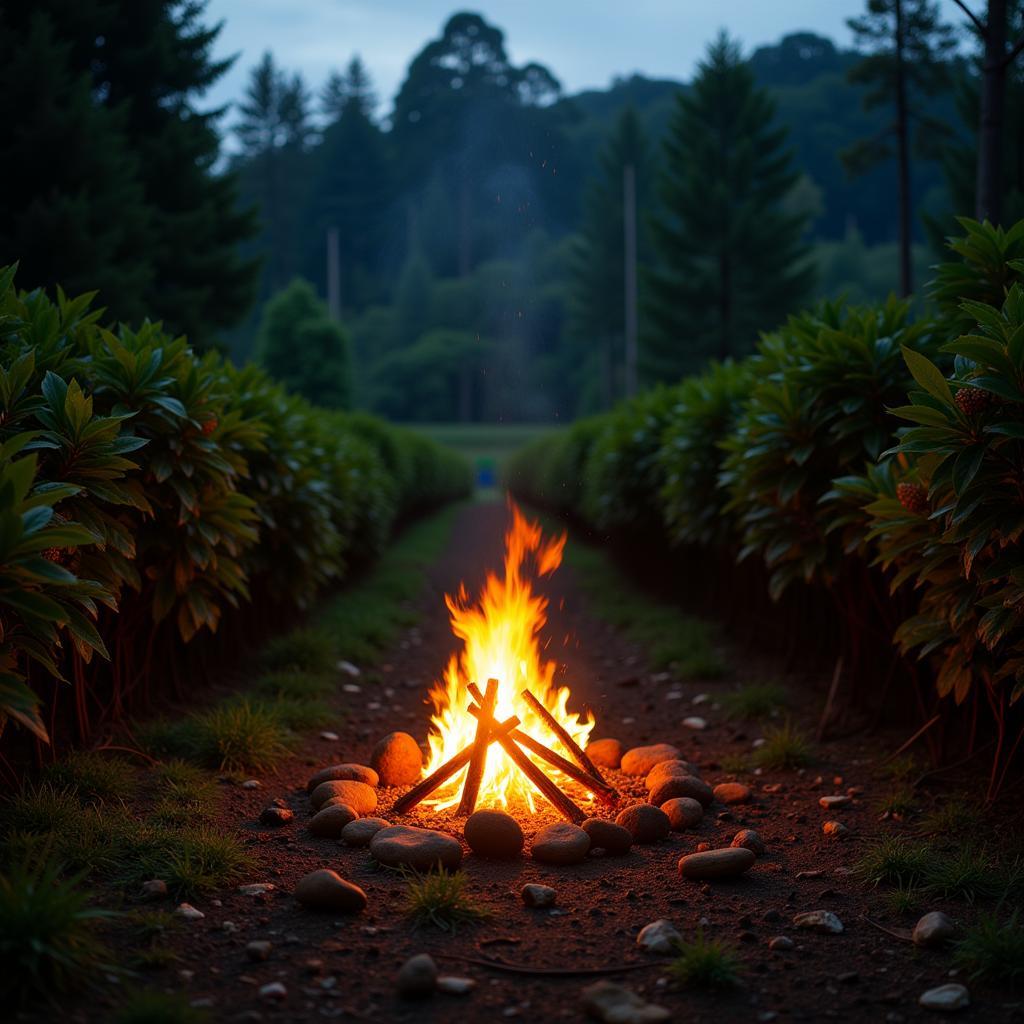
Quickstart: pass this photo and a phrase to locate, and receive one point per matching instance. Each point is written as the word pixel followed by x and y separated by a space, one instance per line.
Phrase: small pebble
pixel 154 889
pixel 417 977
pixel 946 998
pixel 834 829
pixel 831 803
pixel 934 929
pixel 749 840
pixel 187 911
pixel 273 992
pixel 252 784
pixel 454 986
pixel 695 722
pixel 781 944
pixel 819 921
pixel 258 949
pixel 659 937
pixel 534 895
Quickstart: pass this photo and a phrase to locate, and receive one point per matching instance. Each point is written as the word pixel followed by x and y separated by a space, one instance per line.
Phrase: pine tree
pixel 908 44
pixel 732 260
pixel 597 308
pixel 353 87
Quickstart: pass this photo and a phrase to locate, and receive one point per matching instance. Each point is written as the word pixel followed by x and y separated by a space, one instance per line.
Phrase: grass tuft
pixel 904 899
pixel 965 874
pixel 735 764
pixel 192 861
pixel 151 1007
pixel 440 898
pixel 40 810
pixel 93 777
pixel 755 702
pixel 302 650
pixel 954 817
pixel 706 963
pixel 994 951
pixel 899 803
pixel 895 860
pixel 785 746
pixel 48 941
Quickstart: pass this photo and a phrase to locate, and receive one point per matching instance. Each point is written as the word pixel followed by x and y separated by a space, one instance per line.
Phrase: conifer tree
pixel 732 260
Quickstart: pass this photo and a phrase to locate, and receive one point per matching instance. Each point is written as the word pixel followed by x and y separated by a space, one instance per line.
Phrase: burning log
pixel 550 791
pixel 478 759
pixel 605 793
pixel 570 744
pixel 423 789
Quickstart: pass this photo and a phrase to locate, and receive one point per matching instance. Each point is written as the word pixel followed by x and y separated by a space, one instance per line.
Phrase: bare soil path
pixel 344 968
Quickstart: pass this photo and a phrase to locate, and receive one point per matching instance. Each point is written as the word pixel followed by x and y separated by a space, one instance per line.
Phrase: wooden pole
pixel 478 759
pixel 578 754
pixel 548 789
pixel 427 786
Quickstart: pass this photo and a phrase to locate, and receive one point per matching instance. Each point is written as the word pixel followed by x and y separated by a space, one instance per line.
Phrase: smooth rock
pixel 329 821
pixel 749 840
pixel 560 843
pixel 362 830
pixel 358 795
pixel 670 769
pixel 273 991
pixel 187 911
pixel 682 785
pixel 819 921
pixel 781 944
pixel 534 895
pixel 934 929
pixel 640 760
pixel 494 834
pixel 343 773
pixel 397 759
pixel 696 722
pixel 732 793
pixel 418 848
pixel 256 888
pixel 606 835
pixel 646 823
pixel 683 812
pixel 258 949
pixel 349 669
pixel 454 986
pixel 946 998
pixel 711 864
pixel 606 753
pixel 659 937
pixel 276 816
pixel 417 977
pixel 830 803
pixel 614 1004
pixel 154 889
pixel 834 829
pixel 327 890
pixel 251 784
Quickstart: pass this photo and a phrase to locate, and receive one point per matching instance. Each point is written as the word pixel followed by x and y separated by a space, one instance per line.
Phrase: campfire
pixel 501 732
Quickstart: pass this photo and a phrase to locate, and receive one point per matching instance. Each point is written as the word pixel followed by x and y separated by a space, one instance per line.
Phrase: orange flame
pixel 500 641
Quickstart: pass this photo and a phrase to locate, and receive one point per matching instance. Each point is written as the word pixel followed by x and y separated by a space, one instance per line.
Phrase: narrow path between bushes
pixel 328 966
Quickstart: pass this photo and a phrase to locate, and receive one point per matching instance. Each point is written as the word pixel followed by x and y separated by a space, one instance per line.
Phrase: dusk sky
pixel 584 43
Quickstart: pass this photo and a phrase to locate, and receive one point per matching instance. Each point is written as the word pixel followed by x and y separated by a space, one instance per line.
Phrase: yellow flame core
pixel 500 634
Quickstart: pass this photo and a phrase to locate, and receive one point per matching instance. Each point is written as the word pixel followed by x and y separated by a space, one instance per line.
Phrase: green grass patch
pixel 754 702
pixel 785 746
pixel 956 816
pixel 672 639
pixel 150 1007
pixel 93 777
pixel 993 950
pixel 895 860
pixel 968 873
pixel 440 898
pixel 735 764
pixel 904 899
pixel 706 964
pixel 40 809
pixel 899 802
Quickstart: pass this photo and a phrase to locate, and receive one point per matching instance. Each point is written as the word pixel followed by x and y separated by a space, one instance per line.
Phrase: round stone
pixel 358 795
pixel 934 929
pixel 659 937
pixel 606 835
pixel 418 848
pixel 397 759
pixel 327 890
pixel 834 829
pixel 275 816
pixel 823 921
pixel 732 793
pixel 605 753
pixel 534 895
pixel 362 830
pixel 645 822
pixel 682 785
pixel 494 834
pixel 714 864
pixel 748 839
pixel 781 944
pixel 683 812
pixel 342 772
pixel 329 821
pixel 640 760
pixel 560 843
pixel 670 769
pixel 417 977
pixel 946 998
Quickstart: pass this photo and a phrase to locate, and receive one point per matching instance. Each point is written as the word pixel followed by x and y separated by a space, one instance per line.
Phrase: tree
pixel 597 323
pixel 147 62
pixel 304 349
pixel 732 260
pixel 996 60
pixel 908 46
pixel 343 90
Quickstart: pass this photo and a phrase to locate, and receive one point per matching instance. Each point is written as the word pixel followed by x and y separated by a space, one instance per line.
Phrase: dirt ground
pixel 344 968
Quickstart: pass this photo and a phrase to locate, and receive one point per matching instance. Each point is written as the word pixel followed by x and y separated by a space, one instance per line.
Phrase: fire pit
pixel 496 746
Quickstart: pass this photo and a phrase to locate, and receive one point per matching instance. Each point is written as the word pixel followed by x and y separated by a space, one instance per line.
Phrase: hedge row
pixel 149 496
pixel 801 457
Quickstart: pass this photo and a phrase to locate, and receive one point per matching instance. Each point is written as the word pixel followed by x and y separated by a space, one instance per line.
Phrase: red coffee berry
pixel 209 426
pixel 972 401
pixel 913 497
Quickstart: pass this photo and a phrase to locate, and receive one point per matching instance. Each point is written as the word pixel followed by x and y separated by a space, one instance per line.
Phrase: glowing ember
pixel 500 641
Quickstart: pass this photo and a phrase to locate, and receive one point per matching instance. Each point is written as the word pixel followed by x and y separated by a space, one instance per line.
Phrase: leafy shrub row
pixel 149 495
pixel 801 457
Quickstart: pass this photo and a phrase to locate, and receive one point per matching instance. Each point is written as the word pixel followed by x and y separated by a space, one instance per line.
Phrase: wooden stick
pixel 604 792
pixel 552 972
pixel 550 791
pixel 423 789
pixel 478 760
pixel 578 754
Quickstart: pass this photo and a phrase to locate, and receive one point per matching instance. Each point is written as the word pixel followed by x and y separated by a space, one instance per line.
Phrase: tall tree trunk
pixel 988 189
pixel 903 155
